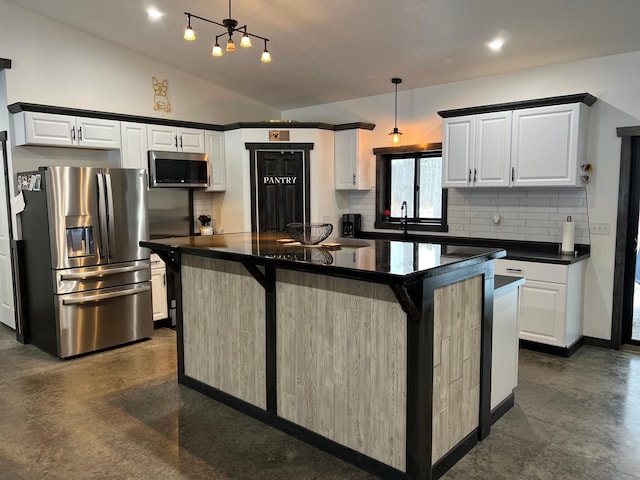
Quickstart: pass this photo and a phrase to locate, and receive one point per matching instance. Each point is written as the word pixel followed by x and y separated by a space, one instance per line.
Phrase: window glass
pixel 430 187
pixel 402 185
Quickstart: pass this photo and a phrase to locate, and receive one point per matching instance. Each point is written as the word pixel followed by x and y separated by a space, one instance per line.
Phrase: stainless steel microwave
pixel 178 169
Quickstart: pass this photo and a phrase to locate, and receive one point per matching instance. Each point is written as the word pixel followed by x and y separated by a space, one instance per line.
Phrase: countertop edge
pixel 332 270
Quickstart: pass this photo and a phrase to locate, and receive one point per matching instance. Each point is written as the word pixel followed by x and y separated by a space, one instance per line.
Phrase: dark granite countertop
pixel 504 283
pixel 516 249
pixel 384 261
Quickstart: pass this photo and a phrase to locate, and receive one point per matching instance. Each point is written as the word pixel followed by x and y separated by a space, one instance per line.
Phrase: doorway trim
pixel 626 231
pixel 254 148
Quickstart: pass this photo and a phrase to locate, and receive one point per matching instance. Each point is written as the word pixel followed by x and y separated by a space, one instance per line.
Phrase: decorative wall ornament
pixel 160 98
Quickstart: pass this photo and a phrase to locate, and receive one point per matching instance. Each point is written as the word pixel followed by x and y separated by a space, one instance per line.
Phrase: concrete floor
pixel 121 414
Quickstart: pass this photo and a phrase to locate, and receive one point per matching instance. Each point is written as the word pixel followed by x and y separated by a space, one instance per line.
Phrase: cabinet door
pixel 545 146
pixel 134 145
pixel 543 308
pixel 159 293
pixel 492 152
pixel 353 159
pixel 98 133
pixel 214 142
pixel 458 140
pixel 190 140
pixel 33 128
pixel 163 138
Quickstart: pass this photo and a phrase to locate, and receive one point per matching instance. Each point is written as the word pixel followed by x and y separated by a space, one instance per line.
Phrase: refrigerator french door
pixel 87 279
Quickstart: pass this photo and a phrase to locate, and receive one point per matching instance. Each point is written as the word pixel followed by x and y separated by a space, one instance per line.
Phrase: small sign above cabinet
pixel 533 143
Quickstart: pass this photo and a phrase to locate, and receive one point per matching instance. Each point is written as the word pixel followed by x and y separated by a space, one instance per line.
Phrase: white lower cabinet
pixel 550 305
pixel 159 288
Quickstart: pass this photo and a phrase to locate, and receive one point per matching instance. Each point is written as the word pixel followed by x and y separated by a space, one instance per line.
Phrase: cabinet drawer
pixel 542 272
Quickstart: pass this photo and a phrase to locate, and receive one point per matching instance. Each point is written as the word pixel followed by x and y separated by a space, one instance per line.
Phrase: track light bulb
pixel 396 138
pixel 266 56
pixel 245 41
pixel 189 34
pixel 231 47
pixel 217 51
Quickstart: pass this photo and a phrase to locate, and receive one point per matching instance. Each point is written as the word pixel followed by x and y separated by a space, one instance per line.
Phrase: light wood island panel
pixel 341 362
pixel 456 363
pixel 224 327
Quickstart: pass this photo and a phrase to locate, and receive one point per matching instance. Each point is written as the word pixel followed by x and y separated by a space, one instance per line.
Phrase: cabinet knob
pixel 175 139
pixel 180 142
pixel 469 180
pixel 80 134
pixel 513 174
pixel 73 133
pixel 475 175
pixel 354 178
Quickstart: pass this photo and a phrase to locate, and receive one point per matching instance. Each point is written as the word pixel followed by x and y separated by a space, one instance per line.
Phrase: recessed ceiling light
pixel 496 44
pixel 154 13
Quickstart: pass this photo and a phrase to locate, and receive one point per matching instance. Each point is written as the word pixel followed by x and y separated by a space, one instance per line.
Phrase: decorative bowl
pixel 309 233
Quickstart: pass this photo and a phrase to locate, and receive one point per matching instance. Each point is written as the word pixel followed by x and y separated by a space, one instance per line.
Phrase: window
pixel 410 176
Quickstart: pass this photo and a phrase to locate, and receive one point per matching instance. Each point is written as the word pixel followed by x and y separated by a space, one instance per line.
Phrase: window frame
pixel 384 156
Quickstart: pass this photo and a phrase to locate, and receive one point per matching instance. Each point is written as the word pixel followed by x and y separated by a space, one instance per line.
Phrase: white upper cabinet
pixel 353 159
pixel 548 145
pixel 519 145
pixel 134 145
pixel 34 128
pixel 175 139
pixel 476 149
pixel 458 139
pixel 492 150
pixel 214 143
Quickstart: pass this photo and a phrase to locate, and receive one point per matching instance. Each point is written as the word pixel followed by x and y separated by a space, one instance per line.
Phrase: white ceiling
pixel 330 50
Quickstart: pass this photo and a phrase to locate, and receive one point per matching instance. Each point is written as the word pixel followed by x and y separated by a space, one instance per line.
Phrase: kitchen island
pixel 378 352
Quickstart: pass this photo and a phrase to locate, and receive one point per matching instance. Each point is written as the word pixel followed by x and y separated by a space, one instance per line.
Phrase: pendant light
pixel 395 132
pixel 231 26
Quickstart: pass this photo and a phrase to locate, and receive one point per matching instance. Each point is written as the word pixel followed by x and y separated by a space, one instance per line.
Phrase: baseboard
pixel 598 342
pixel 552 349
pixel 456 453
pixel 502 408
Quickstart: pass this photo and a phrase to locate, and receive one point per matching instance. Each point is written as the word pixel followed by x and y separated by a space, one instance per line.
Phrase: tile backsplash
pixel 202 205
pixel 532 214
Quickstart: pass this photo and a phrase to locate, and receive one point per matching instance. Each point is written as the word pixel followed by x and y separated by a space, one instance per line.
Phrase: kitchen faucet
pixel 403 219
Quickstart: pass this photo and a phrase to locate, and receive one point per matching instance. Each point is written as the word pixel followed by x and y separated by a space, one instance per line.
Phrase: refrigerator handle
pixel 111 227
pixel 102 214
pixel 79 300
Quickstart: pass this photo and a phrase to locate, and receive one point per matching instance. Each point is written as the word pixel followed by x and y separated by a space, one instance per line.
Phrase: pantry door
pixel 280 187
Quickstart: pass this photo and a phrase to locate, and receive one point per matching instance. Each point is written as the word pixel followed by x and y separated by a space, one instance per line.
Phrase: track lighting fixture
pixel 395 132
pixel 232 26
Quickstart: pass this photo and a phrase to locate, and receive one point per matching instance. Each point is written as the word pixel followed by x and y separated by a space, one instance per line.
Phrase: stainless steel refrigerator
pixel 87 280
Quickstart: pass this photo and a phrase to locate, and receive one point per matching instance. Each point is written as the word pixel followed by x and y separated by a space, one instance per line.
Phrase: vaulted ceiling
pixel 330 50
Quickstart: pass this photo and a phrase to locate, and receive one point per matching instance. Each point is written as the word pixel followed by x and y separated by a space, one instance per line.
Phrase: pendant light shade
pixel 189 34
pixel 395 133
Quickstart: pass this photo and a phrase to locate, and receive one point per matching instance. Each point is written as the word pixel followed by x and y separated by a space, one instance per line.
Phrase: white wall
pixel 612 79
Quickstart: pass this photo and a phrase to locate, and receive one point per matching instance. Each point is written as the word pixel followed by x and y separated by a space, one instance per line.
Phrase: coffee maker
pixel 351 224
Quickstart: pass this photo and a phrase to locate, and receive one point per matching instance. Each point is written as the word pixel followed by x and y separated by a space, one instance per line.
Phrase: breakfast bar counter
pixel 376 351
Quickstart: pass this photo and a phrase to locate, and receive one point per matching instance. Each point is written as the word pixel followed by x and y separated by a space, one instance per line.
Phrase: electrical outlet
pixel 600 228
